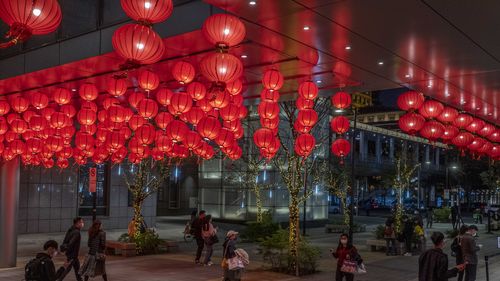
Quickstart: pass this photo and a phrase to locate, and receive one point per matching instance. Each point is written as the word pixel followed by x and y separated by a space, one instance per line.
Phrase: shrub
pixel 148 241
pixel 379 231
pixel 442 215
pixel 275 252
pixel 257 231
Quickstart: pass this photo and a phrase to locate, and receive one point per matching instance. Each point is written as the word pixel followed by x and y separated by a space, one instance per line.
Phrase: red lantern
pixel 431 109
pixel 86 117
pixel 19 126
pixel 209 127
pixel 220 99
pixel 230 112
pixel 162 119
pixel 221 67
pixel 225 138
pixel 462 140
pixel 263 137
pixel 475 125
pixel 116 113
pixel 308 90
pixel 272 80
pixel 267 109
pixel 341 100
pixel 135 98
pixel 307 118
pixel 108 102
pixel 304 145
pixel 204 105
pixel 450 132
pixel 495 136
pixel 89 105
pixel 164 143
pixel 487 130
pixel 61 96
pixel 148 80
pixel 411 123
pixel 268 95
pixel 88 92
pixel 176 131
pixel 301 128
pixel 164 96
pixel 19 104
pixel 476 144
pixel 28 114
pixel 39 100
pixel 135 122
pixel 234 88
pixel 37 123
pixel 138 44
pixel 59 120
pixel 197 91
pixel 17 147
pixel 410 101
pixel 180 103
pixel 192 140
pixel 340 125
pixel 486 148
pixel 34 146
pixel 195 115
pixel 147 108
pixel 4 107
pixel 302 104
pixel 55 143
pixel 463 120
pixel 432 130
pixel 145 134
pixel 69 110
pixel 62 163
pixel 28 17
pixel 117 86
pixel 183 72
pixel 270 123
pixel 341 148
pixel 495 152
pixel 448 115
pixel 233 126
pixel 223 30
pixel 148 11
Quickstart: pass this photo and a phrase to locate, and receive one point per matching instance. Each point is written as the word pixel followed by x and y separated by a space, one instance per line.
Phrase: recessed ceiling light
pixel 74 90
pixel 252 3
pixel 244 56
pixel 347 47
pixel 306 27
pixel 319 81
pixel 380 63
pixel 407 75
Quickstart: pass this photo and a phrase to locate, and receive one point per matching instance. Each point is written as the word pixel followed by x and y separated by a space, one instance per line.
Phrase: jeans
pixel 75 264
pixel 390 246
pixel 209 250
pixel 339 275
pixel 429 223
pixel 201 243
pixel 460 276
pixel 470 272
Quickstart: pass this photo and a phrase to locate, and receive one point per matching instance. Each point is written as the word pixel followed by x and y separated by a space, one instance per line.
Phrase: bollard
pixel 487 269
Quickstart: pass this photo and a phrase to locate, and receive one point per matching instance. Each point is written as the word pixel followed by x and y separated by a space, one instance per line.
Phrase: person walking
pixel 408 232
pixel 345 252
pixel 230 252
pixel 390 237
pixel 433 263
pixel 454 214
pixel 196 228
pixel 95 261
pixel 42 268
pixel 368 206
pixel 209 233
pixel 469 251
pixel 71 247
pixel 456 250
pixel 429 216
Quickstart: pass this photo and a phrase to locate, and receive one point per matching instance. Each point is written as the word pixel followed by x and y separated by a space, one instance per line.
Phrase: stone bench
pixel 379 244
pixel 342 228
pixel 169 246
pixel 125 249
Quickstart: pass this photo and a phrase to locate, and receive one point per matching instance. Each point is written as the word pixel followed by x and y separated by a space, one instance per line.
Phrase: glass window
pixel 102 190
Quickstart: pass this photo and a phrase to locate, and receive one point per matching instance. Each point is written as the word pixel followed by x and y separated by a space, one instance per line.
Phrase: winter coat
pixel 98 243
pixel 343 253
pixel 469 248
pixel 208 230
pixel 433 266
pixel 197 226
pixel 71 243
pixel 48 268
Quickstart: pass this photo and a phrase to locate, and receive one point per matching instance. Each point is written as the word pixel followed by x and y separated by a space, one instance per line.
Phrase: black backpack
pixel 33 271
pixel 456 249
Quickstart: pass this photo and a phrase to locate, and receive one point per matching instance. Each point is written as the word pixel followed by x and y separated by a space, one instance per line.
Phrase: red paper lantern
pixel 495 136
pixel 475 125
pixel 432 130
pixel 431 109
pixel 138 44
pixel 59 120
pixel 495 152
pixel 148 80
pixel 268 95
pixel 302 104
pixel 272 80
pixel 233 126
pixel 225 138
pixel 116 113
pixel 39 100
pixel 476 144
pixel 340 124
pixel 209 127
pixel 164 96
pixel 183 72
pixel 411 123
pixel 410 101
pixel 162 119
pixel 19 104
pixel 135 98
pixel 110 101
pixel 28 17
pixel 219 99
pixel 88 92
pixel 230 112
pixel 145 134
pixel 17 147
pixel 304 145
pixel 448 115
pixel 28 114
pixel 55 143
pixel 180 103
pixel 195 115
pixel 270 123
pixel 197 91
pixel 308 90
pixel 234 88
pixel 267 109
pixel 341 100
pixel 223 30
pixel 37 123
pixel 148 11
pixel 19 126
pixel 263 137
pixel 307 118
pixel 176 130
pixel 341 148
pixel 4 107
pixel 462 140
pixel 89 105
pixel 147 108
pixel 86 117
pixel 68 109
pixel 34 146
pixel 164 143
pixel 204 105
pixel 463 120
pixel 135 122
pixel 221 67
pixel 61 96
pixel 192 140
pixel 62 163
pixel 487 130
pixel 450 132
pixel 117 86
pixel 486 148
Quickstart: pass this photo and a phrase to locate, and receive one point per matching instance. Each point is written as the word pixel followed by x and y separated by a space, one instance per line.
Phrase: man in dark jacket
pixel 71 247
pixel 196 228
pixel 433 263
pixel 46 269
pixel 469 251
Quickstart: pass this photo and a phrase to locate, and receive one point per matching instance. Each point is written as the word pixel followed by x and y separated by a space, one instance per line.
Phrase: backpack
pixel 33 271
pixel 456 250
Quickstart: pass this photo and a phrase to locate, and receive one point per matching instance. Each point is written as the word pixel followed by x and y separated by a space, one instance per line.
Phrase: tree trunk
pixel 258 202
pixel 293 232
pixel 138 219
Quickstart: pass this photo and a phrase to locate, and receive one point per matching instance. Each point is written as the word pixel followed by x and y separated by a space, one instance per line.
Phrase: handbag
pixel 360 269
pixel 349 266
pixel 224 263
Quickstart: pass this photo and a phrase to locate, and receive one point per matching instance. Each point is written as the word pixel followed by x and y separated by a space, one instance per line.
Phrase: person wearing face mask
pixel 71 247
pixel 345 251
pixel 469 252
pixel 42 268
pixel 433 263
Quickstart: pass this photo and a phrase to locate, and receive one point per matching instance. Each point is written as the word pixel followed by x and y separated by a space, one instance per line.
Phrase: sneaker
pixel 407 254
pixel 197 262
pixel 209 263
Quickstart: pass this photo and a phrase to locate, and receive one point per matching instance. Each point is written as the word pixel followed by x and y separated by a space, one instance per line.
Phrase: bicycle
pixel 188 236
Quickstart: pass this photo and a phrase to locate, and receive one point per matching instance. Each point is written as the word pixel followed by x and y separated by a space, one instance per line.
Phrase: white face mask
pixel 343 241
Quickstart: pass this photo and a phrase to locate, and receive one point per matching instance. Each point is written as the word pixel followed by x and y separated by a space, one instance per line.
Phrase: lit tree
pixel 402 179
pixel 337 182
pixel 491 177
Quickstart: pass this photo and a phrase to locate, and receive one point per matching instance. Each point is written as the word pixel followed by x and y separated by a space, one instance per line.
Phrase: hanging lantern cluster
pixel 434 121
pixel 27 17
pixel 137 42
pixel 306 120
pixel 340 125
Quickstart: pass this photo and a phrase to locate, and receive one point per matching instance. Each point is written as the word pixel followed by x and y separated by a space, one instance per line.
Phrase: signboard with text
pixel 92 179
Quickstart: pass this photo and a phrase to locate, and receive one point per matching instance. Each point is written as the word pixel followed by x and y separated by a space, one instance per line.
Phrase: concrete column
pixel 391 148
pixel 437 150
pixel 362 145
pixel 378 149
pixel 9 204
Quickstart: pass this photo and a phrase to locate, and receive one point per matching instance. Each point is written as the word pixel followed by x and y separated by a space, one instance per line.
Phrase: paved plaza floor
pixel 180 266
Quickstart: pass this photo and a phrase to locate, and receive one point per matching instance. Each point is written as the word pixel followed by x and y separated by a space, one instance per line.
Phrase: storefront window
pixel 102 190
